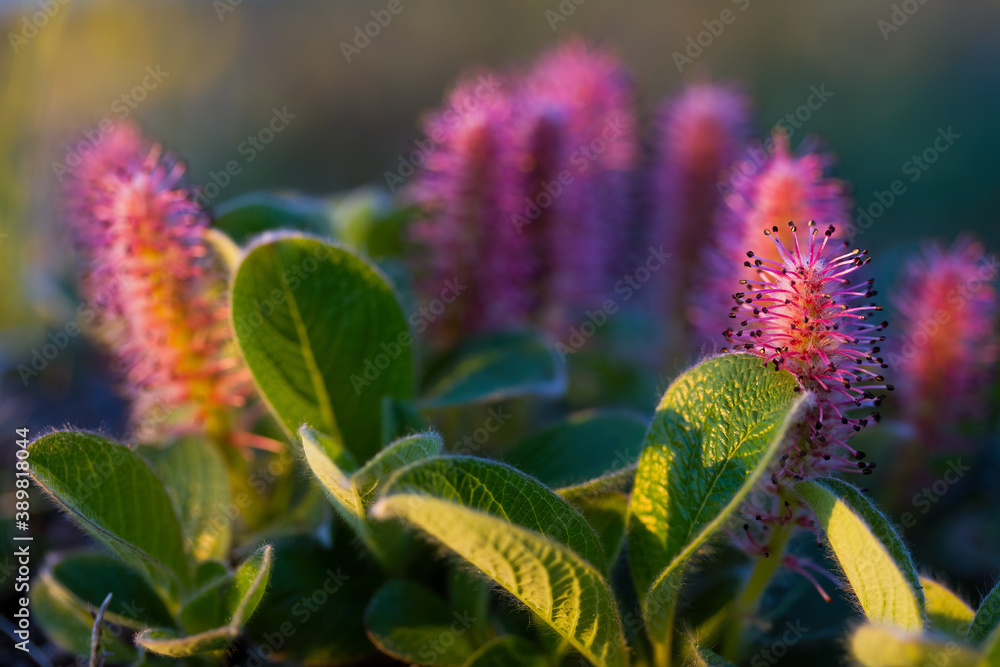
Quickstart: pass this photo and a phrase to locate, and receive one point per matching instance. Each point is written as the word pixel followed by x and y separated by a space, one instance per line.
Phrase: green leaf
pixel 113 494
pixel 66 621
pixel 946 611
pixel 215 616
pixel 89 576
pixel 888 646
pixel 325 338
pixel 387 544
pixel 507 651
pixel 496 367
pixel 366 218
pixel 699 656
pixel 394 456
pixel 411 623
pixel 585 446
pixel 252 214
pixel 561 588
pixel 315 602
pixel 716 431
pixel 175 645
pixel 870 552
pixel 498 489
pixel 197 481
pixel 987 617
pixel 321 451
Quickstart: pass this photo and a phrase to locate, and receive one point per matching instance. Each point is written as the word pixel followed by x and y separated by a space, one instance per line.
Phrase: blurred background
pixel 203 76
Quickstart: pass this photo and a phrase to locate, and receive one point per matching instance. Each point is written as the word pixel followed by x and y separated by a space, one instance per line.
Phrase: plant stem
pixel 749 600
pixel 662 640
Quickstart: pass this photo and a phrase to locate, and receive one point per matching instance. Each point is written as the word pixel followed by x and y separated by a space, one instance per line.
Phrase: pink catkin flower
pixel 142 242
pixel 948 343
pixel 787 188
pixel 699 135
pixel 119 152
pixel 468 187
pixel 576 123
pixel 805 313
pixel 526 194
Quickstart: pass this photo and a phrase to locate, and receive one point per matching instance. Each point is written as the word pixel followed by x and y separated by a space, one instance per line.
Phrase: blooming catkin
pixel 699 135
pixel 143 251
pixel 786 188
pixel 947 345
pixel 806 313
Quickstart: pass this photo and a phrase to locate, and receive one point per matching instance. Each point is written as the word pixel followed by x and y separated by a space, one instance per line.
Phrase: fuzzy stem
pixel 749 600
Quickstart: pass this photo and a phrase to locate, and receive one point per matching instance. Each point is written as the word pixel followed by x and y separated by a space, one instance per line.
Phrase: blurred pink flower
pixel 142 241
pixel 786 188
pixel 579 151
pixel 527 194
pixel 469 186
pixel 947 306
pixel 699 135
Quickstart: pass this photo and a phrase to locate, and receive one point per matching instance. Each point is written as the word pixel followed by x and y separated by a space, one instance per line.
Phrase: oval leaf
pixel 498 489
pixel 559 586
pixel 409 622
pixel 113 494
pixel 714 434
pixel 495 367
pixel 870 552
pixel 324 336
pixel 197 481
pixel 226 605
